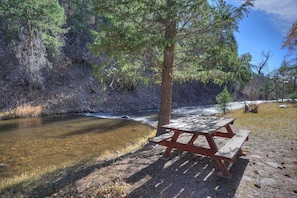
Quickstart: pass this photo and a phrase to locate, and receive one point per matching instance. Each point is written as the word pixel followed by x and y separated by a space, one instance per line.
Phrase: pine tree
pixel 182 39
pixel 223 99
pixel 34 28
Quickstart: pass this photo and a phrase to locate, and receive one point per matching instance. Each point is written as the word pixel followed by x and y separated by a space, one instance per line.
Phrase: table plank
pixel 200 124
pixel 162 137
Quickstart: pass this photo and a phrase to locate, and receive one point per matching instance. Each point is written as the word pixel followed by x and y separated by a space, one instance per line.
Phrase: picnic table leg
pixel 223 168
pixel 194 137
pixel 211 143
pixel 230 132
pixel 169 145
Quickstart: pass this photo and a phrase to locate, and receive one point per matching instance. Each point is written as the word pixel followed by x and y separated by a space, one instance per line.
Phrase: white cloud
pixel 283 12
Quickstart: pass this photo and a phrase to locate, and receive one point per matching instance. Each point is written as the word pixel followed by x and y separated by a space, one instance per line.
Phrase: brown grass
pixel 269 121
pixel 27 110
pixel 22 111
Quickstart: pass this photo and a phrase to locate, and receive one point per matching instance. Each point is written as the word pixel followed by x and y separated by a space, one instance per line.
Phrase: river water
pixel 32 143
pixel 150 117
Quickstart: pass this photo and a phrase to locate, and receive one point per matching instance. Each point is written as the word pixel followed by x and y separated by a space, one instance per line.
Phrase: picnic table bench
pixel 208 127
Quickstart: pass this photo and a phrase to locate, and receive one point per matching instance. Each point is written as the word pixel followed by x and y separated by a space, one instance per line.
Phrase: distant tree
pixel 291 42
pixel 284 80
pixel 223 99
pixel 264 62
pixel 287 75
pixel 266 88
pixel 282 71
pixel 34 29
pixel 181 39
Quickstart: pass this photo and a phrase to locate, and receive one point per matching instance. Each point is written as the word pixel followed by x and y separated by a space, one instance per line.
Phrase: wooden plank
pixel 190 148
pixel 230 149
pixel 200 124
pixel 162 137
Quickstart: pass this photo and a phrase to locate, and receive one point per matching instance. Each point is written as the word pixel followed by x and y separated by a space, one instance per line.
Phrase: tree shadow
pixel 186 175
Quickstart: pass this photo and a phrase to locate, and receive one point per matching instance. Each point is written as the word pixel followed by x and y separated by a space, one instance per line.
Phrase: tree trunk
pixel 166 97
pixel 167 73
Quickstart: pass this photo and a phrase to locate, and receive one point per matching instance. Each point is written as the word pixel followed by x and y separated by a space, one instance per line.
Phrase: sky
pixel 264 29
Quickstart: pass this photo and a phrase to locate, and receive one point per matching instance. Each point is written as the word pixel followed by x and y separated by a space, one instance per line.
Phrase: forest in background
pixel 48 64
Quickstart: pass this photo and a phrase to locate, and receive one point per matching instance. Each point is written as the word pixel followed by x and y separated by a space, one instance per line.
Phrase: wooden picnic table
pixel 208 127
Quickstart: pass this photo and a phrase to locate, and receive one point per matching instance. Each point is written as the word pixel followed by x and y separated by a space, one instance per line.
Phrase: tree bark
pixel 167 73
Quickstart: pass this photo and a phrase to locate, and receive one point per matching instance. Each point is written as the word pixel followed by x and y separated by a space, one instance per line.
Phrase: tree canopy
pixel 183 39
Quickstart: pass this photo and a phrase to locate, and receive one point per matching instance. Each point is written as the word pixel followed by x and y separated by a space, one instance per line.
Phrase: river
pixel 150 117
pixel 30 144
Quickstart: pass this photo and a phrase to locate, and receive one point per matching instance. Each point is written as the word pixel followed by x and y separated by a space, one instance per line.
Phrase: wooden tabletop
pixel 199 124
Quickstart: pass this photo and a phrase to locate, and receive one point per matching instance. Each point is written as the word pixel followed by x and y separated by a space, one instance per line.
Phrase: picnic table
pixel 211 128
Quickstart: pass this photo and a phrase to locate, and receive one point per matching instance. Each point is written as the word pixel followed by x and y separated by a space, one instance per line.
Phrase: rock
pixel 255 156
pixel 257 185
pixel 268 182
pixel 273 164
pixel 283 106
pixel 125 117
pixel 3 165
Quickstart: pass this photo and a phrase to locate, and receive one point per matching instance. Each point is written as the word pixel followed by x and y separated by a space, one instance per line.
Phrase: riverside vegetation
pixel 267 170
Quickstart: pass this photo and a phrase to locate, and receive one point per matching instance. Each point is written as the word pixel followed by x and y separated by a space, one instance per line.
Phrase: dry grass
pixel 22 111
pixel 270 120
pixel 27 110
pixel 138 143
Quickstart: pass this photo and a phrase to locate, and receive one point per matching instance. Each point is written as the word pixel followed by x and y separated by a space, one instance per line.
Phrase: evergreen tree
pixel 183 39
pixel 223 99
pixel 80 20
pixel 34 28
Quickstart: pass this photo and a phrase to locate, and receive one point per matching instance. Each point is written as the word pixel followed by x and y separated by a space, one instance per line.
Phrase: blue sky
pixel 265 29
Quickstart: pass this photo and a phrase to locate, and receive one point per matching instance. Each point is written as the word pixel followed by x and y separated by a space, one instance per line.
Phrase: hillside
pixel 72 88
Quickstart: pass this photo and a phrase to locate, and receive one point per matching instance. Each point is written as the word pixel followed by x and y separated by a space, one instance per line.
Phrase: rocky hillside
pixel 72 88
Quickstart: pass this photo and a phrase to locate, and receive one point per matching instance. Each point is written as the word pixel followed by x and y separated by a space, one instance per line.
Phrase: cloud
pixel 283 12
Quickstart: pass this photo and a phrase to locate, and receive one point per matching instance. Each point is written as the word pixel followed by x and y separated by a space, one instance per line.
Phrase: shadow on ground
pixel 186 175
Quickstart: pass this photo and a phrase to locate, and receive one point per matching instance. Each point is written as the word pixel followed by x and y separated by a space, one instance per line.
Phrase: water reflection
pixel 32 143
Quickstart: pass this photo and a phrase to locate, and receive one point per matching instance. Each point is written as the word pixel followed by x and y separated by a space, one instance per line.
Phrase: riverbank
pixel 74 89
pixel 267 170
